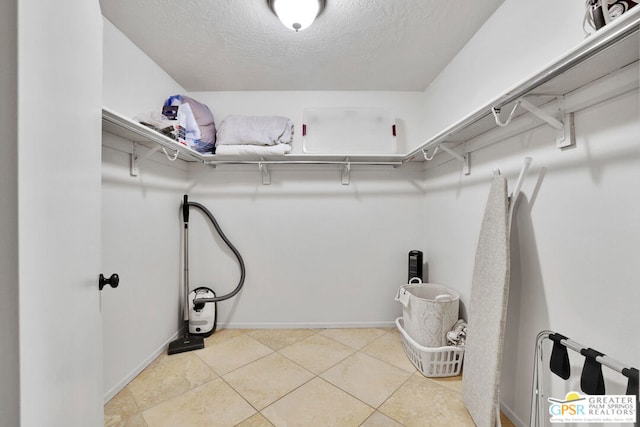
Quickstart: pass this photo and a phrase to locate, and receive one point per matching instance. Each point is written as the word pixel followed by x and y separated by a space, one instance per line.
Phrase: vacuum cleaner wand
pixel 185 220
pixel 187 342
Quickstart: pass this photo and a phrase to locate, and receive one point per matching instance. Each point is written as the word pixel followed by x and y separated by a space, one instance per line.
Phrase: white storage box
pixel 432 361
pixel 357 130
pixel 429 311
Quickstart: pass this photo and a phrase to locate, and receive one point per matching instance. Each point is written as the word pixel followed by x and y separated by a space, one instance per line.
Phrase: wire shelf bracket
pixel 134 159
pixel 565 128
pixel 266 173
pixel 346 173
pixel 464 158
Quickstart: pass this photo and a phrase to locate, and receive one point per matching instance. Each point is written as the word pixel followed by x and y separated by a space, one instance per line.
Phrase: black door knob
pixel 112 281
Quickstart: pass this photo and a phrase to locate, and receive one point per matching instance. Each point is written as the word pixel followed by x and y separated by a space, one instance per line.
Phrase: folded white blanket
pixel 260 150
pixel 255 130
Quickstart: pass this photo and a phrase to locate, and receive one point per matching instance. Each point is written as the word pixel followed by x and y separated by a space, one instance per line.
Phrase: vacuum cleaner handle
pixel 185 209
pixel 185 218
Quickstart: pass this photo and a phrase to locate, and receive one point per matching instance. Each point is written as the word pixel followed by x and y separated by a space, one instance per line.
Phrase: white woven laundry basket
pixel 429 311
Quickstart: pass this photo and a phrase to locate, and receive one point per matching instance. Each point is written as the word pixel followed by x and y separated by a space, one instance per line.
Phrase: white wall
pixel 576 230
pixel 317 253
pixel 405 107
pixel 140 224
pixel 576 227
pixel 314 249
pixel 133 83
pixel 518 40
pixel 574 242
pixel 9 355
pixel 141 238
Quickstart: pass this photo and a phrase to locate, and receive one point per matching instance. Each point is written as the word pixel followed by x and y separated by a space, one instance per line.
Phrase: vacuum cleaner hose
pixel 233 249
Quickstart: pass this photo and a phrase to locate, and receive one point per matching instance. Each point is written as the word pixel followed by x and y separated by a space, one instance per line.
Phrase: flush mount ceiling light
pixel 297 14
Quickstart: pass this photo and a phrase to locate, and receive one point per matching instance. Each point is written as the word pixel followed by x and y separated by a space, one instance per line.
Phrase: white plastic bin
pixel 432 361
pixel 429 311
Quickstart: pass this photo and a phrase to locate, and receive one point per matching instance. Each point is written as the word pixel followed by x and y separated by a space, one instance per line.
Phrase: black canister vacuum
pixel 200 305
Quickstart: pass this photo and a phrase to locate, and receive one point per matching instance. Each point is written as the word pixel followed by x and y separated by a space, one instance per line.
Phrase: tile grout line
pixel 259 411
pixel 237 391
pixel 210 368
pixel 138 405
pixel 391 395
pixel 318 376
pixel 243 398
pixel 382 360
pixel 383 414
pixel 353 352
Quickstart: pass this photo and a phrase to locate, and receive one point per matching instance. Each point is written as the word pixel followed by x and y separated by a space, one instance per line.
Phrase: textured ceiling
pixel 220 45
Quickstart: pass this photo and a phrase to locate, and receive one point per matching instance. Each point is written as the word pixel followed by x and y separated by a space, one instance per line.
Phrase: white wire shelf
pixel 610 49
pixel 131 130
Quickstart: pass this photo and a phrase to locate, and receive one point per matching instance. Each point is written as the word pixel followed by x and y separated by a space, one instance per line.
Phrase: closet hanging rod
pixel 603 360
pixel 597 43
pixel 301 162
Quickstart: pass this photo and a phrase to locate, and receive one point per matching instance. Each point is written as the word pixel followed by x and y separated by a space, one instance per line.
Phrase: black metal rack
pixel 591 381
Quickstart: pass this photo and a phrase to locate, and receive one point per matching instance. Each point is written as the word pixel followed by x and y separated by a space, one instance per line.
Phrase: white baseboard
pixel 134 373
pixel 309 325
pixel 512 416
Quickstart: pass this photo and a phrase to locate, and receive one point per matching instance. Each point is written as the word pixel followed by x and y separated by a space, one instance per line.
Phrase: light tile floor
pixel 290 377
